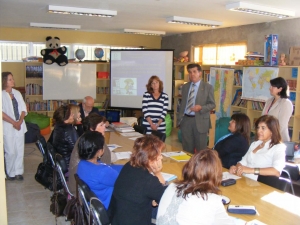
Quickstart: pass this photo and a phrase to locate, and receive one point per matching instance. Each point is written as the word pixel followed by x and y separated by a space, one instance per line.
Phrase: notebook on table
pixel 289 152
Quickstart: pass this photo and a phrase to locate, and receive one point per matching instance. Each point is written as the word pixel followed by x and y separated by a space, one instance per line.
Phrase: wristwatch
pixel 256 171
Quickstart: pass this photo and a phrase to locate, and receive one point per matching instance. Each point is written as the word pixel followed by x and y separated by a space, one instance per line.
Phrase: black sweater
pixel 131 202
pixel 232 149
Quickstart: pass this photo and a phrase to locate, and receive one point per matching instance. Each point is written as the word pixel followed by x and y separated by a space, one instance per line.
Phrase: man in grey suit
pixel 194 113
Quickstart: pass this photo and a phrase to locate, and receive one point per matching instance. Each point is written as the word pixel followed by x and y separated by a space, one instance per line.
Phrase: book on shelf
pixel 238 77
pixel 237 97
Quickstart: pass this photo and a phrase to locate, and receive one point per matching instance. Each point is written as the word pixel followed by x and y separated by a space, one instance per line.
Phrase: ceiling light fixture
pixel 145 32
pixel 55 26
pixel 193 21
pixel 260 10
pixel 81 11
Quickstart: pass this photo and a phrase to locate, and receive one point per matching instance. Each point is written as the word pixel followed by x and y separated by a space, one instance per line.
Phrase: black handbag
pixel 74 212
pixel 44 176
pixel 58 200
pixel 58 204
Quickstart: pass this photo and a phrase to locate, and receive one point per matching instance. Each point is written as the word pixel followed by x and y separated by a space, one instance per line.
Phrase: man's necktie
pixel 190 102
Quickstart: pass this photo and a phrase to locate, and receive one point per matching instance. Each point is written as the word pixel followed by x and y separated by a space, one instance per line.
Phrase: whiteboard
pixel 73 81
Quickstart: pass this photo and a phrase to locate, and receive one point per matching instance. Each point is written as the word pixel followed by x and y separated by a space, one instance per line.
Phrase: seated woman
pixel 195 199
pixel 139 182
pixel 93 122
pixel 233 147
pixel 64 135
pixel 97 175
pixel 266 156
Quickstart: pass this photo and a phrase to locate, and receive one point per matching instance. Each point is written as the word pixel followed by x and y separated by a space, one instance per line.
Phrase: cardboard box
pixel 271 50
pixel 103 75
pixel 295 56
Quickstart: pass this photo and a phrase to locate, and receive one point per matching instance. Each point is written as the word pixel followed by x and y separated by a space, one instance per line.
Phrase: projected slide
pixel 130 71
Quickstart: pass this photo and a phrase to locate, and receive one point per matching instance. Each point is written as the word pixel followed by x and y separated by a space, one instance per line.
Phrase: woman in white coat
pixel 14 128
pixel 279 106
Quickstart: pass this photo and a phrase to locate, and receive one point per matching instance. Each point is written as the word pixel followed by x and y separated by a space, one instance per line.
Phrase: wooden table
pixel 244 192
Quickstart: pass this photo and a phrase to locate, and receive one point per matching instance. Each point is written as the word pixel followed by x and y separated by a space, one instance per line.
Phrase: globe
pixel 79 54
pixel 99 53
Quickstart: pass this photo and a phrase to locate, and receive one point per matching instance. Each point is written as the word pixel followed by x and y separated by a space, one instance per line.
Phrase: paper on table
pixel 113 146
pixel 168 176
pixel 133 138
pixel 123 155
pixel 227 175
pixel 178 156
pixel 169 154
pixel 255 222
pixel 130 134
pixel 181 158
pixel 238 221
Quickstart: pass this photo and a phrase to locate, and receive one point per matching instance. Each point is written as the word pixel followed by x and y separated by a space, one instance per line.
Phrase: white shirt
pixel 265 157
pixel 7 107
pixel 173 210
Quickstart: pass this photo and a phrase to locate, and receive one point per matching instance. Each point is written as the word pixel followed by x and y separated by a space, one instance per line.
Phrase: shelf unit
pixel 286 73
pixel 102 86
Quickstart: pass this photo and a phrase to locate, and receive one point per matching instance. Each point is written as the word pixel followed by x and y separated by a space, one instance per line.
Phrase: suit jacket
pixel 94 109
pixel 205 98
pixel 232 149
pixel 282 110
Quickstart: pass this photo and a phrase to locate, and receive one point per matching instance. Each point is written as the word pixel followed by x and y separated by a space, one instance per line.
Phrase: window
pixel 226 54
pixel 16 51
pixel 13 51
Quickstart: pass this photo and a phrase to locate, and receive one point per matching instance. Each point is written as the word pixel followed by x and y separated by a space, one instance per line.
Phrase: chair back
pixel 62 168
pixel 140 129
pixel 275 182
pixel 98 213
pixel 42 146
pixel 162 136
pixel 221 127
pixel 291 171
pixel 51 153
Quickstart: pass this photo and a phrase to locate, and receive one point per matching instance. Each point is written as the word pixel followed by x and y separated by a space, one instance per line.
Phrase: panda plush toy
pixel 54 53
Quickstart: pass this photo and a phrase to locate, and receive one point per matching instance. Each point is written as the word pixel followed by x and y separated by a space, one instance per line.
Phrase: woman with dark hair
pixel 97 175
pixel 93 122
pixel 233 147
pixel 155 105
pixel 64 135
pixel 195 199
pixel 266 156
pixel 139 183
pixel 14 127
pixel 279 105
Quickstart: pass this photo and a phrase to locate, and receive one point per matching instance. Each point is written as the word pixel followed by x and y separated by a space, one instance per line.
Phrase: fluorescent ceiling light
pixel 81 11
pixel 193 21
pixel 55 26
pixel 259 9
pixel 145 32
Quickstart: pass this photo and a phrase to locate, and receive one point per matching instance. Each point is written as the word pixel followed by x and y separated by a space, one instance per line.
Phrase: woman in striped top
pixel 155 105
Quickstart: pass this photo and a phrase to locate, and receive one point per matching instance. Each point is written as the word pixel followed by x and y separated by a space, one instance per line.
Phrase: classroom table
pixel 284 209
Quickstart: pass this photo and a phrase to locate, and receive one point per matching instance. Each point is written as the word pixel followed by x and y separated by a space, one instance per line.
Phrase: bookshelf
pixel 254 109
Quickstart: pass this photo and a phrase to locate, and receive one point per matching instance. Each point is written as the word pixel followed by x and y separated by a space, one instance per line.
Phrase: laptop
pixel 289 152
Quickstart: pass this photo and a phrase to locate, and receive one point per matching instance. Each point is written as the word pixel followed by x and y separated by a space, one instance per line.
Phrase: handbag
pixel 74 212
pixel 58 200
pixel 44 176
pixel 58 204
